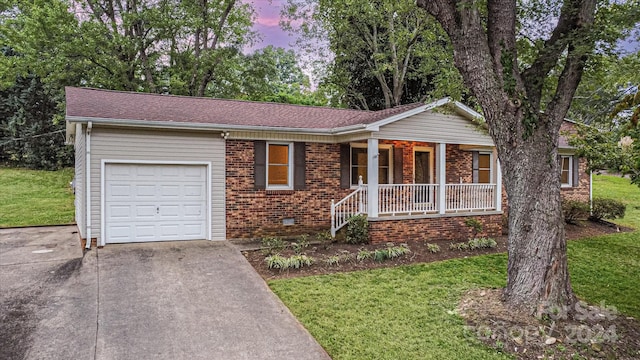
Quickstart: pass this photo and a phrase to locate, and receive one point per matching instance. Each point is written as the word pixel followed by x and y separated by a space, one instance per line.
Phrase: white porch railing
pixel 469 197
pixel 407 199
pixel 353 204
pixel 414 199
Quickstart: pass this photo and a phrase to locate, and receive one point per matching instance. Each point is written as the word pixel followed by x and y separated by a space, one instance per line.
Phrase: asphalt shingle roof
pixel 108 104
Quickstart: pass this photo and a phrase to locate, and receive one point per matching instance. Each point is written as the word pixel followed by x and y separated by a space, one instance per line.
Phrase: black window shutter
pixel 576 171
pixel 475 166
pixel 260 164
pixel 397 165
pixel 299 165
pixel 345 164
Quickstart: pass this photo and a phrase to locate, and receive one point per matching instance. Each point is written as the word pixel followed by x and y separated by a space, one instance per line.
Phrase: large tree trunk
pixel 527 141
pixel 537 273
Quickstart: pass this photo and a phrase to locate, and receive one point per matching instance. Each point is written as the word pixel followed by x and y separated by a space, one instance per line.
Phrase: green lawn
pixel 407 312
pixel 621 189
pixel 35 197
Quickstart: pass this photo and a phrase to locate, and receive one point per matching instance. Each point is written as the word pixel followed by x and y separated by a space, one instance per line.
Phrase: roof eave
pixel 213 127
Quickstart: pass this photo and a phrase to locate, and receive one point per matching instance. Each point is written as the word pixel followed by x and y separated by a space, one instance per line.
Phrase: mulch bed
pixel 589 333
pixel 419 253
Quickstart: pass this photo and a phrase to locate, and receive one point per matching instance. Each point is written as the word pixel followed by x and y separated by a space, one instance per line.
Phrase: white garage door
pixel 155 202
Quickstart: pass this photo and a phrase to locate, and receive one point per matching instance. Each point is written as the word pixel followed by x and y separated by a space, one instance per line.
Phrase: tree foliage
pixel 180 47
pixel 385 53
pixel 28 135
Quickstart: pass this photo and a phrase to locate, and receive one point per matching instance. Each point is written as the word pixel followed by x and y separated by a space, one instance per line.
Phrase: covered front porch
pixel 409 180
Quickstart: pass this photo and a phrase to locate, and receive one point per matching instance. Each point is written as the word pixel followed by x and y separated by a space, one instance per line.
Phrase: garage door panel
pixel 145 212
pixel 193 230
pixel 145 191
pixel 119 190
pixel 155 202
pixel 169 191
pixel 193 211
pixel 119 211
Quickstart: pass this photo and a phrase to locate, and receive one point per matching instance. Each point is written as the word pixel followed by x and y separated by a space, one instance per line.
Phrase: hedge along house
pixel 157 167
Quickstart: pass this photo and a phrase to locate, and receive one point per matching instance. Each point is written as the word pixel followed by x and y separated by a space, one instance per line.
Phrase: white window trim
pixel 570 175
pixel 364 146
pixel 491 167
pixel 289 185
pixel 431 161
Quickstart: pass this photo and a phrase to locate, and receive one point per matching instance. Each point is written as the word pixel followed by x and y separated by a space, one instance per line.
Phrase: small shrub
pixel 607 209
pixel 459 246
pixel 333 260
pixel 292 262
pixel 276 262
pixel 433 248
pixel 357 230
pixel 574 210
pixel 364 255
pixel 379 255
pixel 482 243
pixel 324 238
pixel 474 224
pixel 302 243
pixel 390 252
pixel 298 261
pixel 272 245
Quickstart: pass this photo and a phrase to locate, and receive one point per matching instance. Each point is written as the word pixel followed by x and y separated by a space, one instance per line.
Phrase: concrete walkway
pixel 177 300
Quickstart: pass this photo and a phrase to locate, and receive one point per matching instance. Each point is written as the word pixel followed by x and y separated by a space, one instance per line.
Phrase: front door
pixel 422 174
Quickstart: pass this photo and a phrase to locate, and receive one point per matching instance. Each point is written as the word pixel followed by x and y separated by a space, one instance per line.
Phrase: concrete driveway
pixel 175 300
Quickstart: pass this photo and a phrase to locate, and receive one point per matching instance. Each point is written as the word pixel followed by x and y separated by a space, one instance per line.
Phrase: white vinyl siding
pixel 431 126
pixel 161 146
pixel 80 179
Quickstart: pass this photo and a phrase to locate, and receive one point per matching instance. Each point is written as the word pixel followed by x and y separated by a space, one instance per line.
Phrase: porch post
pixel 442 177
pixel 372 177
pixel 498 185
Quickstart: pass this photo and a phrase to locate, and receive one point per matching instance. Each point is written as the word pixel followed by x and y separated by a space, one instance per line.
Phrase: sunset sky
pixel 267 24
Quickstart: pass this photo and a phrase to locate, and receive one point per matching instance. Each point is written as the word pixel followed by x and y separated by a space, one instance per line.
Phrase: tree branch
pixel 569 24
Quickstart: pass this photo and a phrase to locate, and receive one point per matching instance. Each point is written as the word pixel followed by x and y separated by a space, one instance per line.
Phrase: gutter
pixel 87 162
pixel 222 127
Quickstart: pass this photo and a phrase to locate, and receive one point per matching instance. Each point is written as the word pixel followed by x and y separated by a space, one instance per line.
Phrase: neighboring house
pixel 157 167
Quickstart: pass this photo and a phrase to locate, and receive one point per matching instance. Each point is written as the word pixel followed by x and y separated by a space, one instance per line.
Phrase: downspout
pixel 591 193
pixel 87 162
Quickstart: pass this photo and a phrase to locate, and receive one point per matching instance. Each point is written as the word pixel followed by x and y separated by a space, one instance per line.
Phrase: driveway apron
pixel 191 300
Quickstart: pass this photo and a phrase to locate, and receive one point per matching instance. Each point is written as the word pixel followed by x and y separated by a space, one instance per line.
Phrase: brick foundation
pixel 432 228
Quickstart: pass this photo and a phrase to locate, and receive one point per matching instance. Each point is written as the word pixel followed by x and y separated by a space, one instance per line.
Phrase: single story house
pixel 154 167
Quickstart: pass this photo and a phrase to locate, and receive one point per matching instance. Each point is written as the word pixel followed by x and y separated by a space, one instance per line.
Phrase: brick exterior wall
pixel 434 228
pixel 256 213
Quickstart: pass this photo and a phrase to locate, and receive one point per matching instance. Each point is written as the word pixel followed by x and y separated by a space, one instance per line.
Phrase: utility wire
pixel 31 137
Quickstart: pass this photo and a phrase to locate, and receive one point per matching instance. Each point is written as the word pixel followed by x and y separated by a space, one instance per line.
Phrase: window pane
pixel 357 171
pixel 383 159
pixel 383 176
pixel 564 170
pixel 484 176
pixel 484 161
pixel 278 154
pixel 278 175
pixel 359 156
